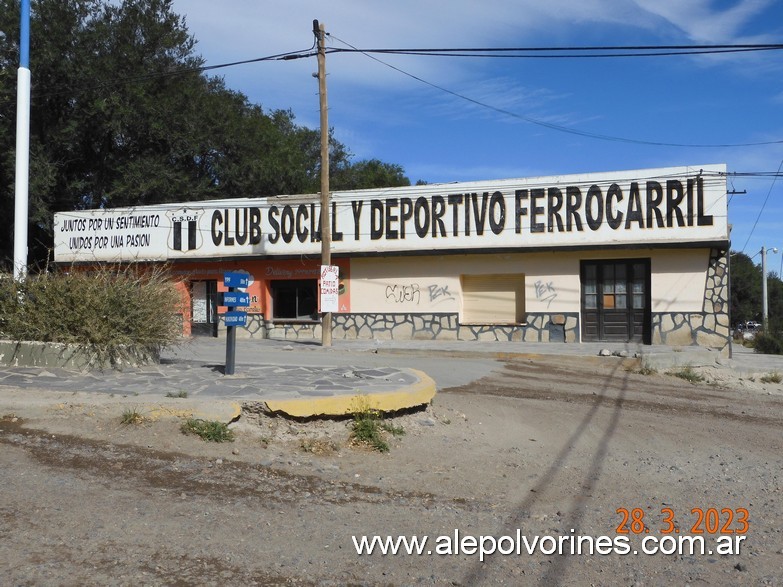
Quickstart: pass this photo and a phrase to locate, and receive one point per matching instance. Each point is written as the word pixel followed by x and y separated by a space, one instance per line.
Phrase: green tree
pixel 121 115
pixel 746 290
pixel 371 173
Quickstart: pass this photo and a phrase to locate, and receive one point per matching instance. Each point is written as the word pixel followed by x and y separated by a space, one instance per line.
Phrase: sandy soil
pixel 547 446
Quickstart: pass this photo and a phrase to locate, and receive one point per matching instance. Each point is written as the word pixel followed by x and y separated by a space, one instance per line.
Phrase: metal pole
pixel 728 279
pixel 764 308
pixel 231 350
pixel 21 187
pixel 326 227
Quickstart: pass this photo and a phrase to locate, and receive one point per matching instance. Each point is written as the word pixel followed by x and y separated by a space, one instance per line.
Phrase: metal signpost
pixel 233 318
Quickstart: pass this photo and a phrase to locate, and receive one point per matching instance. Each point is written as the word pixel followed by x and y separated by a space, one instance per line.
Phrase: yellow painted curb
pixel 416 394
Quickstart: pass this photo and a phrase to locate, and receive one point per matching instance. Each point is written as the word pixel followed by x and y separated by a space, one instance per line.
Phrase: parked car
pixel 747 330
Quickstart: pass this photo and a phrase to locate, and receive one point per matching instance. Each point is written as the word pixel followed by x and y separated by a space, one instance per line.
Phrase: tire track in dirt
pixel 569 381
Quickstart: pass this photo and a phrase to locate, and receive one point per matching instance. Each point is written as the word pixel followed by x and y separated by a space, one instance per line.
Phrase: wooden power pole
pixel 326 226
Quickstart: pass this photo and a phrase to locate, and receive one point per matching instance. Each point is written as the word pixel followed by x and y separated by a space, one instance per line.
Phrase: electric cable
pixel 576 52
pixel 550 125
pixel 763 206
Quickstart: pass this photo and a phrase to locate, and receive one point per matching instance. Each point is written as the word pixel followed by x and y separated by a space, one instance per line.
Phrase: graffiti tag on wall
pixel 545 292
pixel 411 293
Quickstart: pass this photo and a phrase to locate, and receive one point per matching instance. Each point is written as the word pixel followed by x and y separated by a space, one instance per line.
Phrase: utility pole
pixel 764 303
pixel 326 227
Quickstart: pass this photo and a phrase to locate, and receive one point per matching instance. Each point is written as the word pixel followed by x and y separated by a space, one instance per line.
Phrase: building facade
pixel 622 256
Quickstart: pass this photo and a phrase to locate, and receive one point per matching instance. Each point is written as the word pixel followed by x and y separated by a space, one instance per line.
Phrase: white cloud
pixel 702 23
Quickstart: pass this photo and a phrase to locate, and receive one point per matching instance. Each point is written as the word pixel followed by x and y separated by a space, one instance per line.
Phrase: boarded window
pixel 493 299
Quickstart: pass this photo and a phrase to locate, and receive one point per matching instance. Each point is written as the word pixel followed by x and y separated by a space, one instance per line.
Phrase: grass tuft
pixel 177 394
pixel 132 417
pixel 209 430
pixel 646 369
pixel 773 377
pixel 688 374
pixel 368 427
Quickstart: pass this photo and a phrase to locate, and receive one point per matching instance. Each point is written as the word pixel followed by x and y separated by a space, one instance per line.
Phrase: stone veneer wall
pixel 539 328
pixel 708 328
pixel 256 327
pixel 446 326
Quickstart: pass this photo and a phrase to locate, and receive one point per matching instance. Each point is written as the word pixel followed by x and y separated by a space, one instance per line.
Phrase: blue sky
pixel 381 113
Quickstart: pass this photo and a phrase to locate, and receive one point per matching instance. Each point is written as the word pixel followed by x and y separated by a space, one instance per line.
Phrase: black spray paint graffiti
pixel 400 294
pixel 403 293
pixel 439 293
pixel 545 292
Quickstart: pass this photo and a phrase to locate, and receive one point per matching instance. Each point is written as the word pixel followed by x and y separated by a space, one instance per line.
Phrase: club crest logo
pixel 185 234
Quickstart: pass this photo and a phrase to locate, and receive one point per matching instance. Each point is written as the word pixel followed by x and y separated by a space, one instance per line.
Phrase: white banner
pixel 671 205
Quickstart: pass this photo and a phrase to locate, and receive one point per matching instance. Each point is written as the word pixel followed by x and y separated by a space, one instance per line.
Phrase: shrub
pixel 768 344
pixel 107 308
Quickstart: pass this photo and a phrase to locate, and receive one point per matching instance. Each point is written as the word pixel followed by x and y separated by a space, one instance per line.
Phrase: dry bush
pixel 106 309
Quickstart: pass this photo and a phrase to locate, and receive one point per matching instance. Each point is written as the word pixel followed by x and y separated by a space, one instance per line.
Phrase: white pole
pixel 21 188
pixel 22 173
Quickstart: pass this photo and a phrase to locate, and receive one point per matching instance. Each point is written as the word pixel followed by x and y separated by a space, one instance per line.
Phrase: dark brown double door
pixel 616 300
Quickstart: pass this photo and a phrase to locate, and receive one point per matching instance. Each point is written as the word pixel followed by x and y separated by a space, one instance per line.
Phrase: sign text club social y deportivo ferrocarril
pixel 677 205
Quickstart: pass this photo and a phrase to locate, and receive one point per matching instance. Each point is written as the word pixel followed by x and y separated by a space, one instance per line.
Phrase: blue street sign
pixel 235 279
pixel 235 318
pixel 236 299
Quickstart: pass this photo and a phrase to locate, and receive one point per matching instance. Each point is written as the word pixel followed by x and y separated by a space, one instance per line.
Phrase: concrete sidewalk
pixel 303 379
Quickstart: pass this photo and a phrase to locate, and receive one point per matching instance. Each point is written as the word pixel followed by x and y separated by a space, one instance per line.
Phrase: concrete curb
pixel 410 396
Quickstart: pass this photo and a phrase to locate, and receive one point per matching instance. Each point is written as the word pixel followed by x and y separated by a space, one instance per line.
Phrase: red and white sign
pixel 330 288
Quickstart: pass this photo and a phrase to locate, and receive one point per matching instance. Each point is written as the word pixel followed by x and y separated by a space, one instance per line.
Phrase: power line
pixel 763 205
pixel 577 52
pixel 485 52
pixel 178 72
pixel 550 125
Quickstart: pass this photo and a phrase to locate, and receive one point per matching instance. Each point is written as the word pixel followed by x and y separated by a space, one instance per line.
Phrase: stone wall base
pixel 539 328
pixel 72 356
pixel 691 328
pixel 668 328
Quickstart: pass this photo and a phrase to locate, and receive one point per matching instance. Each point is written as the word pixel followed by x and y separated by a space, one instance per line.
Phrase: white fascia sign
pixel 653 206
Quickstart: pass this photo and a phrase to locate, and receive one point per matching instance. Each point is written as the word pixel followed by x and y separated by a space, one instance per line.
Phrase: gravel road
pixel 542 446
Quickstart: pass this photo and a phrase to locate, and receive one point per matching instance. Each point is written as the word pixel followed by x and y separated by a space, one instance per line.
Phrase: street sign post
pixel 233 318
pixel 236 299
pixel 235 279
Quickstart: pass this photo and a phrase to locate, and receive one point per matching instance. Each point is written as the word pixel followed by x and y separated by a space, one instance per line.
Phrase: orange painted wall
pixel 262 273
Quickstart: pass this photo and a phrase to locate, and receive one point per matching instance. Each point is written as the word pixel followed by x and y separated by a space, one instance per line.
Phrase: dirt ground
pixel 544 446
